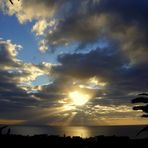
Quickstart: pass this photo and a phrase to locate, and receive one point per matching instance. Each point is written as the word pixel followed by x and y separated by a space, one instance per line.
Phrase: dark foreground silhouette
pixel 68 142
pixel 7 139
pixel 56 141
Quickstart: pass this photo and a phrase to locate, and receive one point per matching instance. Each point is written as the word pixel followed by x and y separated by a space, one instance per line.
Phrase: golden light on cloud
pixel 79 98
pixel 93 83
pixel 96 81
pixel 68 107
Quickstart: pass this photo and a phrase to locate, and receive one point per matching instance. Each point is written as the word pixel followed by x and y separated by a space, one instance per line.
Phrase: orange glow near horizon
pixel 11 122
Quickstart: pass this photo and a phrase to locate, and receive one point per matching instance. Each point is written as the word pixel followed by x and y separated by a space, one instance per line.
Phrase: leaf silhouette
pixel 145 94
pixel 143 130
pixel 142 99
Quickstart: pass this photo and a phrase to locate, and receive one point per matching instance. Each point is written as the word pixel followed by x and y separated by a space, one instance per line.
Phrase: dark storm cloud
pixel 130 22
pixel 102 62
pixel 125 22
pixel 129 12
pixel 12 97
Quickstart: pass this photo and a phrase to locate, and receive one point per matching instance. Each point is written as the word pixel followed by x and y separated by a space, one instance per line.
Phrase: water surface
pixel 83 131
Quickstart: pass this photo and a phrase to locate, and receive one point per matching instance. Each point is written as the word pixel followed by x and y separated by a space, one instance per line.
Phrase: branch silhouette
pixel 12 1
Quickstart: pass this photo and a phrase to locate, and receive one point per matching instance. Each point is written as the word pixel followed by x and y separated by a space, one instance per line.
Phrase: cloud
pixel 71 14
pixel 111 67
pixel 102 18
pixel 15 77
pixel 105 63
pixel 112 75
pixel 43 46
pixel 39 27
pixel 26 10
pixel 8 53
pixel 107 19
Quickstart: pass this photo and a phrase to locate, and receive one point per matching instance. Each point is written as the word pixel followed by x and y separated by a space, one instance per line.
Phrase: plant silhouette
pixel 142 98
pixel 2 128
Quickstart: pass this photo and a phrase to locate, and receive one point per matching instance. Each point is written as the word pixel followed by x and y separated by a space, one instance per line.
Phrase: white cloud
pixel 27 10
pixel 40 27
pixel 113 109
pixel 43 47
pixel 20 73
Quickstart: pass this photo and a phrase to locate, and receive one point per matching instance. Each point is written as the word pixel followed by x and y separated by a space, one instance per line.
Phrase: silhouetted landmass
pixel 68 142
pixel 6 139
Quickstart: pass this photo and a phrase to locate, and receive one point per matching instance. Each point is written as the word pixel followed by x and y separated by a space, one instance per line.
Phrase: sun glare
pixel 79 98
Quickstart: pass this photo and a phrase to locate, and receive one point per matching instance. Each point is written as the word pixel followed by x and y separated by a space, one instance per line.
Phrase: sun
pixel 79 98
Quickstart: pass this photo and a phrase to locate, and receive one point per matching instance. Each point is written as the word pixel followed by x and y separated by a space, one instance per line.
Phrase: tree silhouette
pixel 142 98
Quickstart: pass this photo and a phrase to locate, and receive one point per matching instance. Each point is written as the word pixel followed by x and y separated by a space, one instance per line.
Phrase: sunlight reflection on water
pixel 77 131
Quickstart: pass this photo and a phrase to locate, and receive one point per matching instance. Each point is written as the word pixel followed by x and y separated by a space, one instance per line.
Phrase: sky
pixel 72 62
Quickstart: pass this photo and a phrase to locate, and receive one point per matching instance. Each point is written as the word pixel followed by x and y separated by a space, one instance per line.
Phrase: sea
pixel 82 131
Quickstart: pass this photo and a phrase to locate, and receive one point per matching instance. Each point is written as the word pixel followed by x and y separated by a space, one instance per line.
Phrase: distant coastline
pixel 82 131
